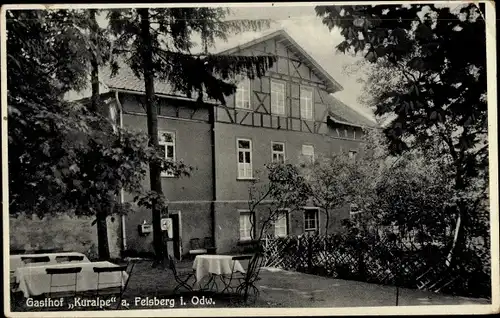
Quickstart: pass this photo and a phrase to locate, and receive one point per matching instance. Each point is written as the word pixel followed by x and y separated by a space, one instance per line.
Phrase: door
pixel 176 235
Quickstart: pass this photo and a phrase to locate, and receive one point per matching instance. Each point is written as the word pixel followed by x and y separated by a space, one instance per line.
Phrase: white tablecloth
pixel 16 262
pixel 204 265
pixel 34 280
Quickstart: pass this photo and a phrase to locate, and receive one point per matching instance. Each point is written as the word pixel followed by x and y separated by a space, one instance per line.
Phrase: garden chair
pixel 236 275
pixel 35 259
pixel 115 287
pixel 181 276
pixel 45 251
pixel 69 259
pixel 247 282
pixel 196 249
pixel 123 284
pixel 63 272
pixel 209 245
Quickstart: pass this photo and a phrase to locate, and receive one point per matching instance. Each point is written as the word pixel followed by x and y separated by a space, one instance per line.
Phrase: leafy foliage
pixel 172 30
pixel 63 156
pixel 442 89
pixel 433 91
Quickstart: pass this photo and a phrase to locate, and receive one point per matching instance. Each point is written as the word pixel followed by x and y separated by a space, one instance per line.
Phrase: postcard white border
pixel 215 312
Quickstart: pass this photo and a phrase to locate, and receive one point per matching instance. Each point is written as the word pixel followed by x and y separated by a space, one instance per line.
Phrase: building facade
pixel 287 115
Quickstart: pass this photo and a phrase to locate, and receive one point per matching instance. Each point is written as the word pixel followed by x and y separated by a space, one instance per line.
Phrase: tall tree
pixel 95 44
pixel 440 98
pixel 64 157
pixel 157 45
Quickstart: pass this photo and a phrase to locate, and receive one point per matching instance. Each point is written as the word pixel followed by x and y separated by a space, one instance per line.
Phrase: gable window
pixel 278 152
pixel 242 97
pixel 244 159
pixel 311 220
pixel 306 103
pixel 277 98
pixel 281 224
pixel 166 141
pixel 308 153
pixel 247 229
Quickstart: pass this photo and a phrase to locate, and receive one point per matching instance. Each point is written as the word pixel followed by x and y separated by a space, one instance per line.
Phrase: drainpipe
pixel 122 193
pixel 214 177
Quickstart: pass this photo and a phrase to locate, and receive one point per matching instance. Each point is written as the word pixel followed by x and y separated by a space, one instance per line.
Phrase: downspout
pixel 122 193
pixel 214 177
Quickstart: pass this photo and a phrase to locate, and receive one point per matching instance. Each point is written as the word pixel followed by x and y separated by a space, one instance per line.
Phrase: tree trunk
pixel 459 239
pixel 102 227
pixel 152 119
pixel 327 221
pixel 102 235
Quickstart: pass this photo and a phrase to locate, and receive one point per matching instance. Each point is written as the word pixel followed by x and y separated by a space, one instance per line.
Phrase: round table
pixel 219 265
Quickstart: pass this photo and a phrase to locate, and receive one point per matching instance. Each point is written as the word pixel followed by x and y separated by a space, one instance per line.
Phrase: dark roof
pixel 343 114
pixel 126 80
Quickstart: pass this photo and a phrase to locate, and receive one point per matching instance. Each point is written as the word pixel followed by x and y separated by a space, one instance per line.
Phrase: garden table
pixel 34 280
pixel 215 265
pixel 16 260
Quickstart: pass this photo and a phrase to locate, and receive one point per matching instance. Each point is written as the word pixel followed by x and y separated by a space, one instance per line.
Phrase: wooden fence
pixel 381 261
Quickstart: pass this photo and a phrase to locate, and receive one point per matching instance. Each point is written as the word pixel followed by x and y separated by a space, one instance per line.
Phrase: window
pixel 354 134
pixel 242 97
pixel 345 133
pixel 244 159
pixel 247 229
pixel 281 224
pixel 306 103
pixel 311 220
pixel 308 152
pixel 277 98
pixel 166 141
pixel 278 152
pixel 352 155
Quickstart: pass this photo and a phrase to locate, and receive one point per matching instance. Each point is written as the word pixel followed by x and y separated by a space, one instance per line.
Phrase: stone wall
pixel 64 232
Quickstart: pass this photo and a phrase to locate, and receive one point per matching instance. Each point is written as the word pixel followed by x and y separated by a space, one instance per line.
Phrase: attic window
pixel 277 98
pixel 306 103
pixel 242 97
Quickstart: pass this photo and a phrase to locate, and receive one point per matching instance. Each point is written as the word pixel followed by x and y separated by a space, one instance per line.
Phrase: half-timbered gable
pixel 307 106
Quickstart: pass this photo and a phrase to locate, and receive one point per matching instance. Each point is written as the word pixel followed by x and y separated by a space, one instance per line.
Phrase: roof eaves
pixel 337 121
pixel 135 92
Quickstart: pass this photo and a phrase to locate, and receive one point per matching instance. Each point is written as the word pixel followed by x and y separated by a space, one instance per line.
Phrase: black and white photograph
pixel 215 159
